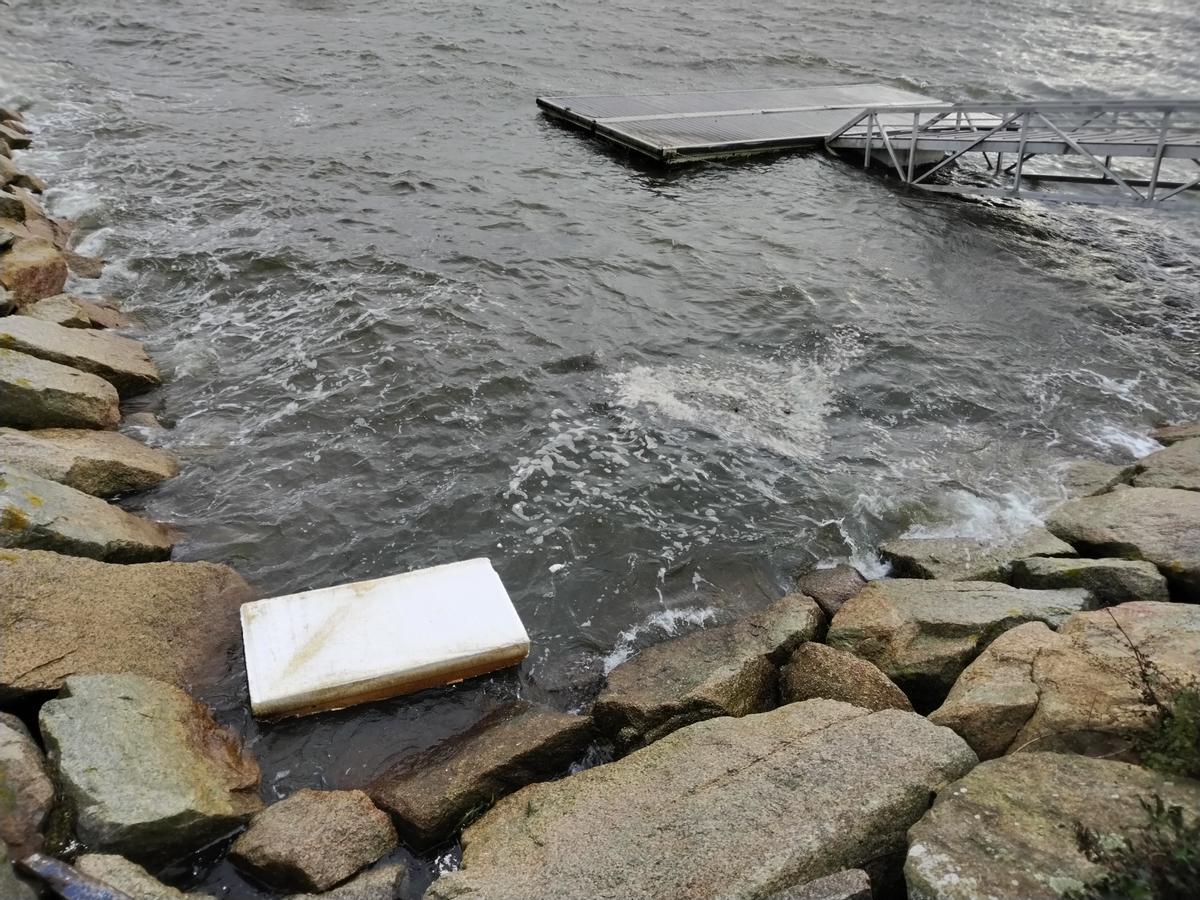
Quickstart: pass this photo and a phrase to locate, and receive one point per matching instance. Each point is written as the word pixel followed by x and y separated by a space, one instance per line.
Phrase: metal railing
pixel 1142 134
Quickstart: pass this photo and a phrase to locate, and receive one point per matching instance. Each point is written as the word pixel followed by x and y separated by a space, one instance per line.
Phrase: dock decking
pixel 679 128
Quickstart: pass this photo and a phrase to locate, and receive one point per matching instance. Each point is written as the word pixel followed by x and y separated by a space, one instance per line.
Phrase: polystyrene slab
pixel 351 643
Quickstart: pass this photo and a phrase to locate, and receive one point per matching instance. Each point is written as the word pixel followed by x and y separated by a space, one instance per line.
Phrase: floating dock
pixel 680 128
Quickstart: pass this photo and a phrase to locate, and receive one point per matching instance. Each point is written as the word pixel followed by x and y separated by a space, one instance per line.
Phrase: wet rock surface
pixel 922 634
pixel 171 621
pixel 1173 434
pixel 711 810
pixel 1176 467
pixel 386 881
pixel 35 393
pixel 1007 830
pixel 831 587
pixel 1080 690
pixel 118 360
pixel 965 559
pixel 432 794
pixel 103 463
pixel 39 514
pixel 1109 581
pixel 146 770
pixel 26 792
pixel 130 878
pixel 817 671
pixel 1087 478
pixel 729 670
pixel 1158 525
pixel 313 840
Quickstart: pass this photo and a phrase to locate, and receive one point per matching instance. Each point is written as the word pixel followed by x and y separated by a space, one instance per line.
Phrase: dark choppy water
pixel 407 321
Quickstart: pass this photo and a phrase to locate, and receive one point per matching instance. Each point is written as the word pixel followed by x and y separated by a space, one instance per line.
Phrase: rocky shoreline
pixel 995 719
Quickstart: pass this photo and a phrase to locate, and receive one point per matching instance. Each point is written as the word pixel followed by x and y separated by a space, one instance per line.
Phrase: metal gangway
pixel 1141 152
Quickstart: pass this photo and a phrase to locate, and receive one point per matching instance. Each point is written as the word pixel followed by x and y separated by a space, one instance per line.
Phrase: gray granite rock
pixel 386 881
pixel 145 769
pixel 431 795
pixel 38 514
pixel 1158 525
pixel 1177 466
pixel 1110 581
pixel 1173 434
pixel 1082 689
pixel 32 268
pixel 831 587
pixel 922 634
pixel 711 810
pixel 118 360
pixel 851 884
pixel 1087 478
pixel 61 309
pixel 35 393
pixel 729 670
pixel 313 840
pixel 816 671
pixel 170 621
pixel 130 878
pixel 1008 829
pixel 103 463
pixel 26 792
pixel 966 559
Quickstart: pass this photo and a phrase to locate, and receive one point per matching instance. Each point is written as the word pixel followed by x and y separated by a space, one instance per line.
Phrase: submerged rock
pixel 118 360
pixel 63 616
pixel 966 559
pixel 1110 581
pixel 1155 524
pixel 1173 434
pixel 130 878
pixel 1081 690
pixel 32 269
pixel 831 587
pixel 730 670
pixel 711 810
pixel 432 794
pixel 38 514
pixel 26 792
pixel 313 840
pixel 817 671
pixel 1008 830
pixel 39 394
pixel 922 634
pixel 103 463
pixel 146 770
pixel 1178 467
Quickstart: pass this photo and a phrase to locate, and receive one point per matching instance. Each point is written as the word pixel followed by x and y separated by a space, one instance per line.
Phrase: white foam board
pixel 368 640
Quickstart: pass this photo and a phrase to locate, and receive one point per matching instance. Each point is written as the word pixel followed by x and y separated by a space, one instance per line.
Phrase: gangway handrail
pixel 1060 127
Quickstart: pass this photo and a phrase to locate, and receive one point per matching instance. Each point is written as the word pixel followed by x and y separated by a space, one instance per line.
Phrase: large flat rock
pixel 731 808
pixel 431 795
pixel 1177 466
pixel 922 634
pixel 38 514
pixel 313 840
pixel 1007 831
pixel 145 769
pixel 35 393
pixel 729 670
pixel 118 360
pixel 103 463
pixel 26 792
pixel 63 616
pixel 966 559
pixel 1110 581
pixel 1158 525
pixel 1082 689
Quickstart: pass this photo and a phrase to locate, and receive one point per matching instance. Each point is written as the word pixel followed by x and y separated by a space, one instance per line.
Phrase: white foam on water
pixel 1110 438
pixel 969 515
pixel 669 622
